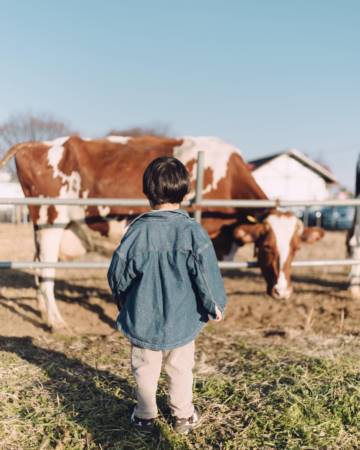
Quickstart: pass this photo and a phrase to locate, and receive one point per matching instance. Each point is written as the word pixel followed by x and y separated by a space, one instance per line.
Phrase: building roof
pixel 325 173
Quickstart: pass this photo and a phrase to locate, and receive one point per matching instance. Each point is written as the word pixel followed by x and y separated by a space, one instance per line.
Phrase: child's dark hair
pixel 166 180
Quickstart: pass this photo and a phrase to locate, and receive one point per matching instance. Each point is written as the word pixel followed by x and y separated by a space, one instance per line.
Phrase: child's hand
pixel 218 315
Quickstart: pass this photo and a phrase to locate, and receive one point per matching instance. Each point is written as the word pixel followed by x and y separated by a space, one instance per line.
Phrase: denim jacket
pixel 166 274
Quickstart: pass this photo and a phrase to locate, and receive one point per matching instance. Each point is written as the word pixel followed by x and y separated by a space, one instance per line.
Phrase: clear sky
pixel 265 75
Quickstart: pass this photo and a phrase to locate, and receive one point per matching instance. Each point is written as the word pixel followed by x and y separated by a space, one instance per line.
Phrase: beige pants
pixel 178 364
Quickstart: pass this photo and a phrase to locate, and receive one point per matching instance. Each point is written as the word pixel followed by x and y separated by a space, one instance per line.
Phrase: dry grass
pixel 275 374
pixel 77 393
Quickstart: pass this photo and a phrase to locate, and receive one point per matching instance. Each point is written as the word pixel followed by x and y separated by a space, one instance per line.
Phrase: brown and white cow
pixel 277 239
pixel 72 167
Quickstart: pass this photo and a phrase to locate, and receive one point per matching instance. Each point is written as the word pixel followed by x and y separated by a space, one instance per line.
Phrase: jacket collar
pixel 156 214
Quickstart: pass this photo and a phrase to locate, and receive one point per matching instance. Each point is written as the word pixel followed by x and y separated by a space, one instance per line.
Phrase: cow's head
pixel 277 239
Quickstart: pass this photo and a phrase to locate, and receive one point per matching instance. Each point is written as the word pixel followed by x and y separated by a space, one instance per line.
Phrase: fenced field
pixel 274 374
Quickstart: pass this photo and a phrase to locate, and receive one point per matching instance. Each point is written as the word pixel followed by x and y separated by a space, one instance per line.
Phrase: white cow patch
pixel 70 186
pixel 118 139
pixel 284 228
pixel 282 282
pixel 217 154
pixel 55 153
pixel 43 214
pixel 56 142
pixel 104 210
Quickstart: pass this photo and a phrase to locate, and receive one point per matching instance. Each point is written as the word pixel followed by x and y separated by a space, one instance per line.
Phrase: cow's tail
pixel 10 153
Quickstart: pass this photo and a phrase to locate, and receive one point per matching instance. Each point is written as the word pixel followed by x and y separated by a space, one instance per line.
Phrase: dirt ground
pixel 320 304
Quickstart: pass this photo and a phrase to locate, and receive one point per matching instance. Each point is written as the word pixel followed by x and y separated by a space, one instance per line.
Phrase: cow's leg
pixel 231 253
pixel 49 244
pixel 224 244
pixel 39 295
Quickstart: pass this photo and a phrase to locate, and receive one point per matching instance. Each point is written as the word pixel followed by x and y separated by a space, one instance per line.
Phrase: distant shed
pixel 291 175
pixel 11 189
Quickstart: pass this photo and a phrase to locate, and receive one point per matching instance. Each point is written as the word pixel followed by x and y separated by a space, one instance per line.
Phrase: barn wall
pixel 10 189
pixel 12 213
pixel 287 179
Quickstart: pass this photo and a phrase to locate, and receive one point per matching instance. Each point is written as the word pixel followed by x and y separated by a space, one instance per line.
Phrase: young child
pixel 167 282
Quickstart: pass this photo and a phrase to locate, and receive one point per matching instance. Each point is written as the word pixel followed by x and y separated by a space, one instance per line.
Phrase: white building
pixel 10 189
pixel 291 175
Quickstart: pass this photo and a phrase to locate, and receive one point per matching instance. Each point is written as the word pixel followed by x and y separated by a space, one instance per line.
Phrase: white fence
pixel 197 205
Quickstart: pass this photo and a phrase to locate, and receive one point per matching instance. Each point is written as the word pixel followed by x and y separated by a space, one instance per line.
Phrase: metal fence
pixel 196 205
pixel 222 264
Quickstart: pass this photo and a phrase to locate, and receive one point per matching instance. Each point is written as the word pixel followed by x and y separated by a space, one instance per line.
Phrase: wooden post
pixel 199 184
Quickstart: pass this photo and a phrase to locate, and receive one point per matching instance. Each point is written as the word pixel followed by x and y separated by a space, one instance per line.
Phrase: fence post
pixel 18 214
pixel 306 216
pixel 13 214
pixel 354 276
pixel 357 208
pixel 199 184
pixel 25 212
pixel 318 216
pixel 357 191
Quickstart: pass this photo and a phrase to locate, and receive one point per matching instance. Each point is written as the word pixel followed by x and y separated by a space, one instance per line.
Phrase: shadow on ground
pixel 96 399
pixel 65 291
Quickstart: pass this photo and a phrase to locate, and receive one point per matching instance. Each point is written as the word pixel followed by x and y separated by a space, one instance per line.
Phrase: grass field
pixel 76 393
pixel 274 374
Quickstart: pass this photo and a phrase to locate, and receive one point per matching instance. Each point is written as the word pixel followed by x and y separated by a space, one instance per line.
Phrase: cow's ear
pixel 250 233
pixel 312 234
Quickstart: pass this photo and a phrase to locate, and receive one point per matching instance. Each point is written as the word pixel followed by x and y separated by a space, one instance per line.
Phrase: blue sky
pixel 265 75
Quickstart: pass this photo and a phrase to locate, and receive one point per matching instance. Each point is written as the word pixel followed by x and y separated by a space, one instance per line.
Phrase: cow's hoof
pixel 60 328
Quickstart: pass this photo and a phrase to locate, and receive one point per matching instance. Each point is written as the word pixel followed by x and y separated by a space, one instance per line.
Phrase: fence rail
pixel 198 204
pixel 222 264
pixel 143 202
pixel 134 202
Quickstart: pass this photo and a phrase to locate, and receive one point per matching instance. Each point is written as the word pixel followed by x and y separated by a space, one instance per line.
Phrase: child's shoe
pixel 142 424
pixel 183 426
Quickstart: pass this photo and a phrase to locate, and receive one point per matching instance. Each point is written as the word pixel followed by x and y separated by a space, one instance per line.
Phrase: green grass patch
pixel 77 393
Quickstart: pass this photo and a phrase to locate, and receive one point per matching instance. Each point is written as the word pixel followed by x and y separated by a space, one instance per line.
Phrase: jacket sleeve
pixel 120 275
pixel 205 274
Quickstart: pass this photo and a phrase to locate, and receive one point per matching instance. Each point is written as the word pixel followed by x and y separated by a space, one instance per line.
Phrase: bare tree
pixel 29 127
pixel 160 129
